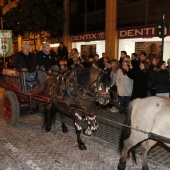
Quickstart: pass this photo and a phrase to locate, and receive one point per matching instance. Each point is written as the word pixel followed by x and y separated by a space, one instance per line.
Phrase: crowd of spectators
pixel 131 77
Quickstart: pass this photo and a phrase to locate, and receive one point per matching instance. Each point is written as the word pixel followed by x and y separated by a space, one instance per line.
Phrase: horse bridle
pixel 82 92
pixel 96 81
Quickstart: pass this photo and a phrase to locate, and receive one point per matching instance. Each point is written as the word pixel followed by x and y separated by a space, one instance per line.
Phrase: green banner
pixel 5 42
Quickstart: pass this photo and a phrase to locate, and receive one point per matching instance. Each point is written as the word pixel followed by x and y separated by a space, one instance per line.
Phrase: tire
pixel 11 110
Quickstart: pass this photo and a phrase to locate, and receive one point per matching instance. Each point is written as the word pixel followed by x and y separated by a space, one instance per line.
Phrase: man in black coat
pixel 26 62
pixel 46 58
pixel 46 62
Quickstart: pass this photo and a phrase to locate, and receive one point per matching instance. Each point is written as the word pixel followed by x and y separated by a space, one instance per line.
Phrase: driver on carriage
pixel 25 61
pixel 46 63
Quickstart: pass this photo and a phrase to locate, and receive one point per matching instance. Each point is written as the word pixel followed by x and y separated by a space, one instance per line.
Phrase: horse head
pixel 96 82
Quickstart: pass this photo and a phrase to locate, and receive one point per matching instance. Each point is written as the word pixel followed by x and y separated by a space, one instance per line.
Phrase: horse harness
pixel 68 82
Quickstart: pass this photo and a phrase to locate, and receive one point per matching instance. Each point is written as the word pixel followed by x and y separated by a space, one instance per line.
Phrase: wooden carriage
pixel 14 93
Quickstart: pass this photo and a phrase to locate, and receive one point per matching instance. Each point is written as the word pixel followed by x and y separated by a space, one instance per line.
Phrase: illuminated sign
pixel 88 37
pixel 137 32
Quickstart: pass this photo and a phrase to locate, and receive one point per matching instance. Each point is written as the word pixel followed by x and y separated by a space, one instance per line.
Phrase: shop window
pixel 81 6
pixel 136 0
pixel 91 5
pixel 126 2
pixel 100 4
pixel 77 7
pixel 94 5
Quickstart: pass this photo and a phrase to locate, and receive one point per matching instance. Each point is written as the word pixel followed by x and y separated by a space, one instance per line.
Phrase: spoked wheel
pixel 11 110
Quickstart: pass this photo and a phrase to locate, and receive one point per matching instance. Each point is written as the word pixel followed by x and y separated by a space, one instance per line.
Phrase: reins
pixel 121 124
pixel 151 135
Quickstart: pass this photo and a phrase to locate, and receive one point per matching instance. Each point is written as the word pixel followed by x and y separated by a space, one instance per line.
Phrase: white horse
pixel 151 115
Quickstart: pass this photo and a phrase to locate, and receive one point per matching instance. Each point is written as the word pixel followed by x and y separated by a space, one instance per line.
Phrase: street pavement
pixel 29 147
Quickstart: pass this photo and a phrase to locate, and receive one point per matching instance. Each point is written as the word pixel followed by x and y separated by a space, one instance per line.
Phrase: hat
pixel 45 45
pixel 25 46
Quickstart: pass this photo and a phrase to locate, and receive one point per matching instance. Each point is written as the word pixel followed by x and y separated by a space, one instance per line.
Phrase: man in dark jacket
pixel 46 62
pixel 46 58
pixel 26 62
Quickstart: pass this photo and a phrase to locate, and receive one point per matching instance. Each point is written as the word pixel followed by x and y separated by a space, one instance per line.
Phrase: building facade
pixel 124 24
pixel 110 25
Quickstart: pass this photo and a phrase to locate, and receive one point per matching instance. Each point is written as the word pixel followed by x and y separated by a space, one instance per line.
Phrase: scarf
pixel 124 71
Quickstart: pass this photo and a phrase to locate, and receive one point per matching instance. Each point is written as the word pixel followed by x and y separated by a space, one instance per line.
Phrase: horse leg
pixel 63 126
pixel 145 146
pixel 122 160
pixel 79 141
pixel 128 144
pixel 49 117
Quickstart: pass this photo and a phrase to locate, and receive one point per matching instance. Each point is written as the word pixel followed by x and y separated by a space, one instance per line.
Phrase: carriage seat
pixel 10 72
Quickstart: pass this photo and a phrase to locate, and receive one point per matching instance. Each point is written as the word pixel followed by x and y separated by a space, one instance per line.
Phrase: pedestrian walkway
pixel 159 156
pixel 27 146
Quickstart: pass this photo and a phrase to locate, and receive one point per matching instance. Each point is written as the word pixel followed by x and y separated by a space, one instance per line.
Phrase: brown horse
pixel 75 93
pixel 151 116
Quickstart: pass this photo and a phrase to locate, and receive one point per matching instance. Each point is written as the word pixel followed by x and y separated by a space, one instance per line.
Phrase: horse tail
pixel 126 131
pixel 132 150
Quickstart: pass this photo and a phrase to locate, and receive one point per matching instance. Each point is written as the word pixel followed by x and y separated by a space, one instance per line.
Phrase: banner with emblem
pixel 5 42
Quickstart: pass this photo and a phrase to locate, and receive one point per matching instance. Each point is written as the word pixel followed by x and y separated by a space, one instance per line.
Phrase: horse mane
pixel 83 76
pixel 105 78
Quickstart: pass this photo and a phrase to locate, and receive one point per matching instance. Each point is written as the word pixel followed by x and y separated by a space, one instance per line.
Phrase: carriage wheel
pixel 11 110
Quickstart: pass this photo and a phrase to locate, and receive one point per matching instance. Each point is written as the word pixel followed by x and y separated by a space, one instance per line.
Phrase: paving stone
pixel 58 151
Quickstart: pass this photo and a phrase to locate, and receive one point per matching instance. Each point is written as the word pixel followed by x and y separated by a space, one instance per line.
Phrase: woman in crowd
pixel 161 80
pixel 140 77
pixel 153 67
pixel 124 87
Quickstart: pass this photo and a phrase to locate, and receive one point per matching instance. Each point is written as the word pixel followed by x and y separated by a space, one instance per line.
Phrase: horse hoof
pixel 82 147
pixel 121 165
pixel 48 129
pixel 64 129
pixel 145 167
pixel 88 132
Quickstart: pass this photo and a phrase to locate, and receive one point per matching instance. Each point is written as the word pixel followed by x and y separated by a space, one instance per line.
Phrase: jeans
pixel 29 79
pixel 124 102
pixel 42 74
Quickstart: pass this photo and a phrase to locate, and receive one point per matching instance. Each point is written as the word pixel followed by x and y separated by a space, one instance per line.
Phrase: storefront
pixel 143 40
pixel 89 44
